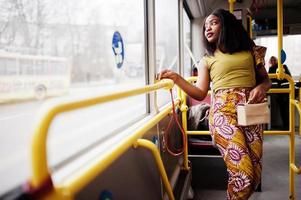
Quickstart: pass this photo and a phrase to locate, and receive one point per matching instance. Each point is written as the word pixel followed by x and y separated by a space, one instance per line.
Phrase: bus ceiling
pixel 263 12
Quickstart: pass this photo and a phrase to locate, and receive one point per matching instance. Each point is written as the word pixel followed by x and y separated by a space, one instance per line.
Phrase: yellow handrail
pixel 153 148
pixel 295 168
pixel 86 174
pixel 40 171
pixel 297 104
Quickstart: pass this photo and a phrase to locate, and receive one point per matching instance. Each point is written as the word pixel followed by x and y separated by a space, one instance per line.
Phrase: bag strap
pixel 177 151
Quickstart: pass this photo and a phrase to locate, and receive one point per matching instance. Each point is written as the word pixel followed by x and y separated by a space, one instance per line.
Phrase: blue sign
pixel 283 56
pixel 118 49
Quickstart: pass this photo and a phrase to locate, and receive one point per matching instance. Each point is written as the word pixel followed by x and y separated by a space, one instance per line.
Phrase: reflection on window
pixel 167 41
pixel 56 48
pixel 187 43
pixel 81 31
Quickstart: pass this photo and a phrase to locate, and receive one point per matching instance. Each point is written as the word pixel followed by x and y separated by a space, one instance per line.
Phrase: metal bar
pixel 40 171
pixel 231 5
pixel 153 148
pixel 184 109
pixel 78 180
pixel 295 168
pixel 280 71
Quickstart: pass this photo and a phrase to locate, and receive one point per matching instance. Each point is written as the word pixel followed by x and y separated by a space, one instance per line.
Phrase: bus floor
pixel 209 177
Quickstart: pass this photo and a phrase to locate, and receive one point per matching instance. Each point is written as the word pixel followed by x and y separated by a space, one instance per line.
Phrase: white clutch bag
pixel 251 114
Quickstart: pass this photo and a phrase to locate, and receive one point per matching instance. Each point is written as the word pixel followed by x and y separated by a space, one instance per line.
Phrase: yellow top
pixel 231 70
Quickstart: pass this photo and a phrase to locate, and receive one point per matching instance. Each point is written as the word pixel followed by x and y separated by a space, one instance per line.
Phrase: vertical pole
pixel 231 5
pixel 151 53
pixel 280 75
pixel 280 36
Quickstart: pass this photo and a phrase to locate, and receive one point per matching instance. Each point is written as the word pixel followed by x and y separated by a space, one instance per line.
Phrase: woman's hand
pixel 167 73
pixel 257 95
pixel 198 91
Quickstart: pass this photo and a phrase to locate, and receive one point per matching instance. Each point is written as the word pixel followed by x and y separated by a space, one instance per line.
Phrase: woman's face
pixel 212 28
pixel 273 61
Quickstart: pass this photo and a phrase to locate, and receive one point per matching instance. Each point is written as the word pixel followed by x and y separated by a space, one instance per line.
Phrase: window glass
pixel 103 40
pixel 25 65
pixel 74 48
pixel 291 46
pixel 167 41
pixel 187 44
pixel 11 67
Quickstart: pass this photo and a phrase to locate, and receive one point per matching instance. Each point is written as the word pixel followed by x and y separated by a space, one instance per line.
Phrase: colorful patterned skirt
pixel 240 146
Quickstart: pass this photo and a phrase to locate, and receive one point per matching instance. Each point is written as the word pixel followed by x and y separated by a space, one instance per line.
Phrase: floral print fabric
pixel 240 146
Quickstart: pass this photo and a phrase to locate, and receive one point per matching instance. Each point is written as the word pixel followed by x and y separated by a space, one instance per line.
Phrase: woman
pixel 229 65
pixel 280 101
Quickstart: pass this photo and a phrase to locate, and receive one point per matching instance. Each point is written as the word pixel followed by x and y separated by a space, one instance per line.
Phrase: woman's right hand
pixel 167 73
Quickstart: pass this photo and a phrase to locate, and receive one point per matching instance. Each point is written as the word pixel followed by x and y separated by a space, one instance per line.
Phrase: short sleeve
pixel 259 54
pixel 207 61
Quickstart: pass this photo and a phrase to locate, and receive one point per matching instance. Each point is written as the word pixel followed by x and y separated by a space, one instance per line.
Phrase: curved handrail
pixel 295 168
pixel 297 104
pixel 88 173
pixel 154 150
pixel 40 172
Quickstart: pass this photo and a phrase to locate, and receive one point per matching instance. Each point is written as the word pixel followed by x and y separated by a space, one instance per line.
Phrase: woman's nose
pixel 208 28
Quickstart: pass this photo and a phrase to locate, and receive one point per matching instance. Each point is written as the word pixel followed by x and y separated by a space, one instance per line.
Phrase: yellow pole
pixel 231 5
pixel 184 109
pixel 295 168
pixel 280 75
pixel 280 37
pixel 153 148
pixel 297 104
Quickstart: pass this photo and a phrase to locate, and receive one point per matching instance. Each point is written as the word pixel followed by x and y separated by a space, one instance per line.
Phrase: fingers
pixel 256 97
pixel 164 74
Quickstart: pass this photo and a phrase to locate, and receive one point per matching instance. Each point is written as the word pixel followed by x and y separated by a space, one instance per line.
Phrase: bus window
pixel 167 43
pixel 291 46
pixel 66 50
pixel 187 41
pixel 24 65
pixel 11 67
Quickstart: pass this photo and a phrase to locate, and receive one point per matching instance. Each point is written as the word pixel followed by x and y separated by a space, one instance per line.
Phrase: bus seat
pixel 198 119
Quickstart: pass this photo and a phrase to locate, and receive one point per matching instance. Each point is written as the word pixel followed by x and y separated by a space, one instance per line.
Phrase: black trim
pixel 186 8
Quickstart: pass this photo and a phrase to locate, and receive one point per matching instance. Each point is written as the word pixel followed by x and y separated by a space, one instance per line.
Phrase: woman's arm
pixel 199 91
pixel 258 94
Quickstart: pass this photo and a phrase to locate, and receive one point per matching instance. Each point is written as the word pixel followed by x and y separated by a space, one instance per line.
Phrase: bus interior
pixel 122 134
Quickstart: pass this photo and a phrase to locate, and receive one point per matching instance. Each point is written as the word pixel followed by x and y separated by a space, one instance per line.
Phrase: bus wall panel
pixel 134 175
